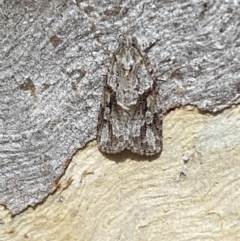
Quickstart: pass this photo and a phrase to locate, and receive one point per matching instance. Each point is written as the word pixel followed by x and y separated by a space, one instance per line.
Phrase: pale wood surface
pixel 120 197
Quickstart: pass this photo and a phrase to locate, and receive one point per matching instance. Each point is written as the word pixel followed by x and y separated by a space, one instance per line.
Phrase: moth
pixel 130 115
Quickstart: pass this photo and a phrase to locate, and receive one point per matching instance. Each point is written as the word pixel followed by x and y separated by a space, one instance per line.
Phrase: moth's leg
pixel 146 50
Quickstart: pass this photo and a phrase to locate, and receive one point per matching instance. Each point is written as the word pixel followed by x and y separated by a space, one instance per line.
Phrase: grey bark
pixel 54 56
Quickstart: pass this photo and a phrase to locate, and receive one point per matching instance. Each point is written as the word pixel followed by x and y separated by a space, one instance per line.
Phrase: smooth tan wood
pixel 127 197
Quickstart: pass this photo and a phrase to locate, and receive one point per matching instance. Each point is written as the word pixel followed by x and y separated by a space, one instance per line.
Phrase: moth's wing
pixel 146 120
pixel 111 126
pixel 134 122
pixel 146 126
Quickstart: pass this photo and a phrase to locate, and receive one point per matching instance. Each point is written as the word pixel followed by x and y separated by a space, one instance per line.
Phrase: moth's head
pixel 129 41
pixel 127 54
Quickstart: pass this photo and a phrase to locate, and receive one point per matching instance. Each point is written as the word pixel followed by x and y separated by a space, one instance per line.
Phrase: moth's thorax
pixel 127 59
pixel 130 69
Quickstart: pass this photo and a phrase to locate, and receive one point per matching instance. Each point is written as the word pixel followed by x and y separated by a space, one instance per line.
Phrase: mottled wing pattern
pixel 130 114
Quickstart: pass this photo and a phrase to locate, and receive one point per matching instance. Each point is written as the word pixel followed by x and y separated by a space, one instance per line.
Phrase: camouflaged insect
pixel 130 114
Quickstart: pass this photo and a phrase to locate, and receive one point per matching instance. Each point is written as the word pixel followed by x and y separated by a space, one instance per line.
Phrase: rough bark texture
pixel 54 56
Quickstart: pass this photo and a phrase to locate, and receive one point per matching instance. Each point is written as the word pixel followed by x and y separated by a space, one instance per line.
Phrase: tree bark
pixel 54 58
